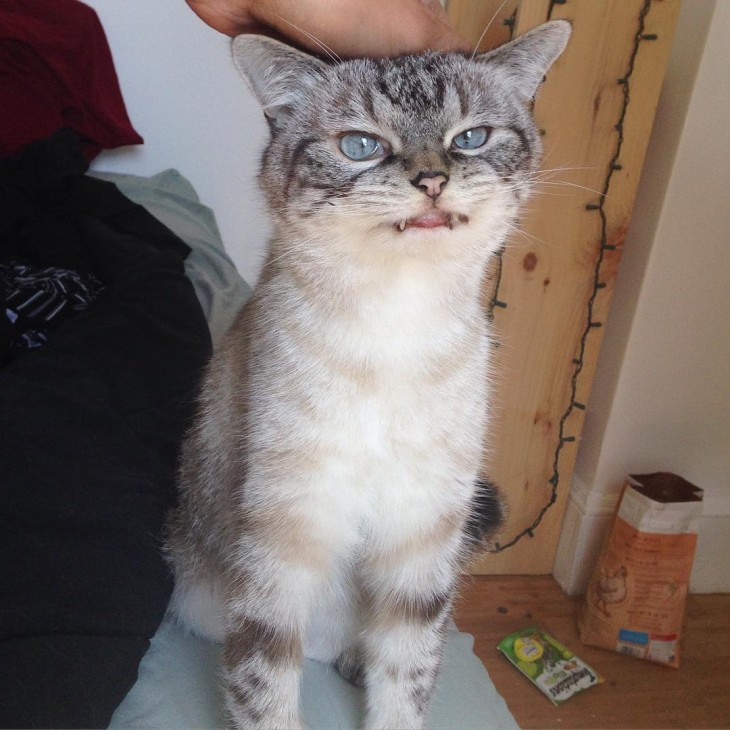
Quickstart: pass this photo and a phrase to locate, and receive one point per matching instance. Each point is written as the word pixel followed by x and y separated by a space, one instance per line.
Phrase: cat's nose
pixel 432 183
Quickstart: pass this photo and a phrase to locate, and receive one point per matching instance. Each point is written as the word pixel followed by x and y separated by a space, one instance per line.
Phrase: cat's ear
pixel 276 73
pixel 525 60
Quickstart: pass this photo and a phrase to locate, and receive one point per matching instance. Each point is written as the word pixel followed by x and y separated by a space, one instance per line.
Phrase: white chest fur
pixel 386 400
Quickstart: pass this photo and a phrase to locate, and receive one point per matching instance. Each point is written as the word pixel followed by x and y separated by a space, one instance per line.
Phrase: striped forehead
pixel 414 83
pixel 416 91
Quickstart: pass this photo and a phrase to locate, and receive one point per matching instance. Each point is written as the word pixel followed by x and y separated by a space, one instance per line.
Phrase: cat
pixel 329 483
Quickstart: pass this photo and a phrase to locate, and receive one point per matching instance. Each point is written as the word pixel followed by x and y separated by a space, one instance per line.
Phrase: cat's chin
pixel 432 220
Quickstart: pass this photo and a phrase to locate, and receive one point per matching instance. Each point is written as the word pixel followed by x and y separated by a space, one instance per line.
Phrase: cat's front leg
pixel 261 668
pixel 270 596
pixel 408 605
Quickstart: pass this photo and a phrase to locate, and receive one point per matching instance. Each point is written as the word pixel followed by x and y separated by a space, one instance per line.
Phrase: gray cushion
pixel 178 688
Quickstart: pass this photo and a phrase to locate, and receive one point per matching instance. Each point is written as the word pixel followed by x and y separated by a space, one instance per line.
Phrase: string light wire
pixel 590 324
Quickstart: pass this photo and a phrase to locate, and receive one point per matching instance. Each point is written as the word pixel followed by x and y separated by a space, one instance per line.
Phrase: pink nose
pixel 432 183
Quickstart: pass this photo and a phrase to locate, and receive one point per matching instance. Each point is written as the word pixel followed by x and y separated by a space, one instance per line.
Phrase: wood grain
pixel 551 328
pixel 635 694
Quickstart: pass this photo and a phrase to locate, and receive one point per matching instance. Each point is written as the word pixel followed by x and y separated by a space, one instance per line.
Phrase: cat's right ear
pixel 524 61
pixel 277 74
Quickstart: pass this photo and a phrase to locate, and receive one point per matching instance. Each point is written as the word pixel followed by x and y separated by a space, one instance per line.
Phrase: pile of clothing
pixel 102 342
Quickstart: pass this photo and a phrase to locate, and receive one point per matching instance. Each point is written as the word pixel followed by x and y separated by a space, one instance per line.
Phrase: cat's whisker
pixel 565 169
pixel 516 231
pixel 543 177
pixel 484 32
pixel 321 44
pixel 545 193
pixel 285 252
pixel 565 183
pixel 552 174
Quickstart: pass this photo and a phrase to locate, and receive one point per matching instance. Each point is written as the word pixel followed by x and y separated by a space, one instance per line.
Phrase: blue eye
pixel 471 139
pixel 360 146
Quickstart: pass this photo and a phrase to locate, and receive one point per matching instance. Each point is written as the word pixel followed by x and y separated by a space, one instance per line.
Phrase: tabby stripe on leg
pixel 418 609
pixel 257 637
pixel 261 675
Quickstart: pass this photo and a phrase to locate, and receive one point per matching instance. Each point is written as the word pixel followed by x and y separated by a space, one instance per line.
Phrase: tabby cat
pixel 328 482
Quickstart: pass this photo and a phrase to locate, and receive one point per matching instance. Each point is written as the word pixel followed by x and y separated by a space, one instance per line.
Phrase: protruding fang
pixel 401 225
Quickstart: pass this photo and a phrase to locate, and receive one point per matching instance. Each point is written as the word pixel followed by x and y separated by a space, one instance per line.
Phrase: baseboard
pixel 711 571
pixel 587 522
pixel 580 542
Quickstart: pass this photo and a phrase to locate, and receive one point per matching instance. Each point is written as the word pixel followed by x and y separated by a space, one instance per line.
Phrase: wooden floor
pixel 635 694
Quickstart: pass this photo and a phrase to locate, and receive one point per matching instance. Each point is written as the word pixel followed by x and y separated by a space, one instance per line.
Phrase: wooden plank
pixel 531 13
pixel 550 330
pixel 635 694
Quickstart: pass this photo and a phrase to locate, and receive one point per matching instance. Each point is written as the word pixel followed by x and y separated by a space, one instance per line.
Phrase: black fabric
pixel 35 300
pixel 90 427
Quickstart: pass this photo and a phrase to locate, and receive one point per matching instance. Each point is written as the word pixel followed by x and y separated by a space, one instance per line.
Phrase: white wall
pixel 661 399
pixel 195 113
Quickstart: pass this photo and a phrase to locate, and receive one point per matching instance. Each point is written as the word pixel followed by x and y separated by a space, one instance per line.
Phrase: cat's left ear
pixel 525 60
pixel 277 74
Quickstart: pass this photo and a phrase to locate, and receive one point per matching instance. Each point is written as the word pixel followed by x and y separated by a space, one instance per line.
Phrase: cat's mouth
pixel 433 218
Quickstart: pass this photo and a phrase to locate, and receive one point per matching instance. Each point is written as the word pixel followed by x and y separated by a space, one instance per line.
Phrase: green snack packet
pixel 550 665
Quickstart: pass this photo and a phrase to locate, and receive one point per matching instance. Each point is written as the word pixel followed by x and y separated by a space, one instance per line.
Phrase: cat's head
pixel 431 152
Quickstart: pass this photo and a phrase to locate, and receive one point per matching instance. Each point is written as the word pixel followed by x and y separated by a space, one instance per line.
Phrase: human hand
pixel 349 28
